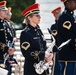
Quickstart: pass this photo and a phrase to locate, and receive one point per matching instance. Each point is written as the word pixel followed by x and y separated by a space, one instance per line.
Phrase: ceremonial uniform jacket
pixel 5 38
pixel 67 30
pixel 33 46
pixel 11 24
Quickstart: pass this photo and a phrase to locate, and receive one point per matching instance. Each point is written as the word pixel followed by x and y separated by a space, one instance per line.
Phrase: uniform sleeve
pixel 26 49
pixel 65 28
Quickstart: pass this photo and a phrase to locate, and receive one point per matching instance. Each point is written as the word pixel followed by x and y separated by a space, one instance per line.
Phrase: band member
pixel 11 23
pixel 10 61
pixel 56 68
pixel 66 30
pixel 6 36
pixel 32 42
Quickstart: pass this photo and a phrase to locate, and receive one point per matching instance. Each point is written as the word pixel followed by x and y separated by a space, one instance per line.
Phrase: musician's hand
pixel 49 58
pixel 11 51
pixel 47 54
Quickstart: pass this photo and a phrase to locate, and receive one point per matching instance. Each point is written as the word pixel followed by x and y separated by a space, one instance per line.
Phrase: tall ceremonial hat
pixel 3 5
pixel 57 10
pixel 33 9
pixel 9 10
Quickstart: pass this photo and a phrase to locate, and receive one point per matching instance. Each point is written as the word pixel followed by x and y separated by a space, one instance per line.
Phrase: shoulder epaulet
pixel 26 29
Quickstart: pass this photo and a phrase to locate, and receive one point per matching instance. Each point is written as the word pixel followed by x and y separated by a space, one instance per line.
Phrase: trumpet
pixel 42 65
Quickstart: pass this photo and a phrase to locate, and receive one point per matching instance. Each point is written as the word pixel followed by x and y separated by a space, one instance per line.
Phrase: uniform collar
pixel 68 11
pixel 33 28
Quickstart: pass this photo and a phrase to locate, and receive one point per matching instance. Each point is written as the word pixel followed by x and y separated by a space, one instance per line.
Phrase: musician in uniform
pixel 11 23
pixel 56 12
pixel 11 60
pixel 6 36
pixel 32 42
pixel 67 30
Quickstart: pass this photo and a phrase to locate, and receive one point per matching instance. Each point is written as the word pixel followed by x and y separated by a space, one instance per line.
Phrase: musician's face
pixel 71 5
pixel 2 14
pixel 56 15
pixel 35 19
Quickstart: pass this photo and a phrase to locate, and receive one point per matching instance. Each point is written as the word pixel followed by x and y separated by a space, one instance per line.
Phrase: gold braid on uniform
pixel 35 54
pixel 2 45
pixel 65 67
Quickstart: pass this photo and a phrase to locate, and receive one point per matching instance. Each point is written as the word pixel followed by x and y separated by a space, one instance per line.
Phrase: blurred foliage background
pixel 17 7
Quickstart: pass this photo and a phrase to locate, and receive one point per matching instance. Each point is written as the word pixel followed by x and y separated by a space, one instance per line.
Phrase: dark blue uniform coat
pixel 6 35
pixel 67 30
pixel 33 46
